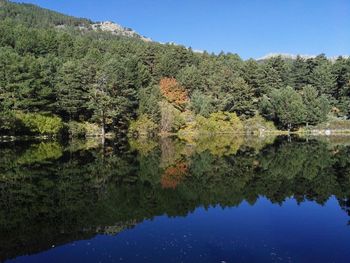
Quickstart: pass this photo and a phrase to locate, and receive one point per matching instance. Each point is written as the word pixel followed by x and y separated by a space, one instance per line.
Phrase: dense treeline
pixel 56 65
pixel 54 194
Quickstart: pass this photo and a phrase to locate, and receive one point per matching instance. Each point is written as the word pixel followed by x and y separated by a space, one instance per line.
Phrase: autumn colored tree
pixel 174 92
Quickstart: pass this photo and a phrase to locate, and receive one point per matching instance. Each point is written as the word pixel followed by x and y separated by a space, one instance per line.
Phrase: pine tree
pixel 72 90
pixel 317 107
pixel 323 79
pixel 341 72
pixel 103 102
pixel 299 73
pixel 251 76
pixel 286 107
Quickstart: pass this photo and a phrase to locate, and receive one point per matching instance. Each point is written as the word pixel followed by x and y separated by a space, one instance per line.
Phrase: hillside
pixel 34 16
pixel 67 76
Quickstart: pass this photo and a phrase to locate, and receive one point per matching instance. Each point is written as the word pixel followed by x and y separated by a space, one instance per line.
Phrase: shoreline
pixel 314 132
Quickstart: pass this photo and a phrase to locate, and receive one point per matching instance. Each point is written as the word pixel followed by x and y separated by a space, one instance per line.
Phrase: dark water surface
pixel 216 200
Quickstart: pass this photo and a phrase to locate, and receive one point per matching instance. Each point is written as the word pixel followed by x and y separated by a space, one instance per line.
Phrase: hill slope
pixel 35 16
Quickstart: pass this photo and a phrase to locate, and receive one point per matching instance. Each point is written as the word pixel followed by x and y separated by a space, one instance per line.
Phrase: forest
pixel 58 76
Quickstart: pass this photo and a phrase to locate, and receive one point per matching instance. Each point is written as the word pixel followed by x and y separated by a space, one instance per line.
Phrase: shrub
pixel 217 123
pixel 8 122
pixel 258 124
pixel 83 129
pixel 40 124
pixel 220 122
pixel 171 118
pixel 142 126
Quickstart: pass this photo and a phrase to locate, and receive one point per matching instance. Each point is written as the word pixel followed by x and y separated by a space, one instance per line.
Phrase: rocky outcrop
pixel 119 30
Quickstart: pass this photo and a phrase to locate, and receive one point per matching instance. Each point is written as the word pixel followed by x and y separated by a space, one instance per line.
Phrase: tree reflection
pixel 54 194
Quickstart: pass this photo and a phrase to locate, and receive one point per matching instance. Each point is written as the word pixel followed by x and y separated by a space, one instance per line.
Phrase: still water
pixel 214 200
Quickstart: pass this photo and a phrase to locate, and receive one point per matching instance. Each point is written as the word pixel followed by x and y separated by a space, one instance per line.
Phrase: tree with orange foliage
pixel 174 92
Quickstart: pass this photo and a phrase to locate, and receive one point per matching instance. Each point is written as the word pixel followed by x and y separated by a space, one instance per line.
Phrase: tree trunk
pixel 103 130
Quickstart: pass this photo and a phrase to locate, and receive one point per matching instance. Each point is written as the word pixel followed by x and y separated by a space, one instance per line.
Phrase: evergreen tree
pixel 286 107
pixel 238 98
pixel 104 102
pixel 269 79
pixel 201 104
pixel 149 102
pixel 72 90
pixel 341 72
pixel 323 79
pixel 299 73
pixel 190 78
pixel 251 76
pixel 317 107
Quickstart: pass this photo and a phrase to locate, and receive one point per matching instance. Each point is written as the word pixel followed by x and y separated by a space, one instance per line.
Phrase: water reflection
pixel 55 193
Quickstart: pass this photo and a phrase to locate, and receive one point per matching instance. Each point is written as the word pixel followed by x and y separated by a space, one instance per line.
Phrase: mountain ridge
pixel 294 56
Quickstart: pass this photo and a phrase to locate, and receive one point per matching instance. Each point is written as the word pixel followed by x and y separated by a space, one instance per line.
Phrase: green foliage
pixel 52 64
pixel 341 72
pixel 143 145
pixel 149 102
pixel 171 118
pixel 317 107
pixel 269 79
pixel 82 129
pixel 237 97
pixel 143 126
pixel 8 122
pixel 201 103
pixel 72 89
pixel 251 75
pixel 218 145
pixel 191 78
pixel 41 152
pixel 258 125
pixel 286 106
pixel 32 15
pixel 299 73
pixel 323 79
pixel 344 106
pixel 217 123
pixel 40 124
pixel 220 122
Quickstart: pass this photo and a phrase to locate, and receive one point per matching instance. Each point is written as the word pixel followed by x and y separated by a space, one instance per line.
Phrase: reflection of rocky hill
pixel 43 237
pixel 76 195
pixel 117 228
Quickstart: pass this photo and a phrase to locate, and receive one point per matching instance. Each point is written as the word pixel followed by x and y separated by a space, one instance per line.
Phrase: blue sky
pixel 251 28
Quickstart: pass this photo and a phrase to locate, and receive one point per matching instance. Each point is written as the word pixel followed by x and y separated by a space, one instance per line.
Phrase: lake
pixel 220 199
